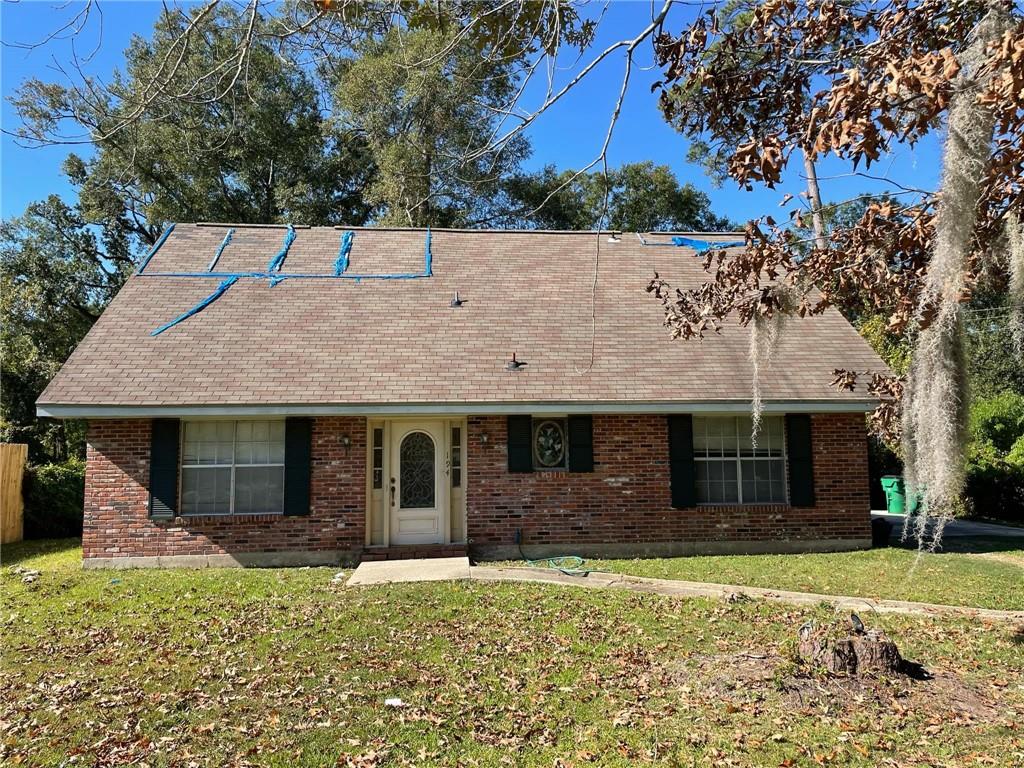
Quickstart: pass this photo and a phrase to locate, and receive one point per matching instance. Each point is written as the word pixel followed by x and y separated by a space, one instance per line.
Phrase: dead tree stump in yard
pixel 852 653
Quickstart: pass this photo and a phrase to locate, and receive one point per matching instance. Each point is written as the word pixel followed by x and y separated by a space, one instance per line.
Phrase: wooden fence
pixel 12 469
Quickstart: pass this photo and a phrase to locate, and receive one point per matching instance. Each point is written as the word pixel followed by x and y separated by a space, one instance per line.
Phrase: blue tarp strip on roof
pixel 278 260
pixel 275 276
pixel 705 245
pixel 198 307
pixel 220 250
pixel 428 258
pixel 155 248
pixel 278 276
pixel 341 263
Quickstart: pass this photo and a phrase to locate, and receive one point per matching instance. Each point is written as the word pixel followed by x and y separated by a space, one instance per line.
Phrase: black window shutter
pixel 801 461
pixel 581 444
pixel 297 455
pixel 163 469
pixel 520 448
pixel 680 457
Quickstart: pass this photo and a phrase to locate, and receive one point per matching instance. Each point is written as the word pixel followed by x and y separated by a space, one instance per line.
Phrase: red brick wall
pixel 117 520
pixel 627 497
pixel 116 488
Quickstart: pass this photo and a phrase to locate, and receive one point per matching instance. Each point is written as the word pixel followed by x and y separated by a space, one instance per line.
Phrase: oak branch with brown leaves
pixel 763 83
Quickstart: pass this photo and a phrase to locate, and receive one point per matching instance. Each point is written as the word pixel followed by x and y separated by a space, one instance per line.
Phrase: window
pixel 456 457
pixel 232 467
pixel 549 444
pixel 378 458
pixel 730 469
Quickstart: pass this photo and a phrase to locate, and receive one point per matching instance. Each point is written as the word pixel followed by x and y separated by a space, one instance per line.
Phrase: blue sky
pixel 569 135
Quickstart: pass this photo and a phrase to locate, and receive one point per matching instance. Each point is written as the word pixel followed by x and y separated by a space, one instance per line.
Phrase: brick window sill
pixel 227 517
pixel 744 507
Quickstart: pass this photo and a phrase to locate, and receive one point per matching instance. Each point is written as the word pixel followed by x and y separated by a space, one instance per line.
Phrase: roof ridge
pixel 465 230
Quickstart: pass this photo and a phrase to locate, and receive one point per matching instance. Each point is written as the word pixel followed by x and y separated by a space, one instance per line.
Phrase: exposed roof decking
pixel 327 341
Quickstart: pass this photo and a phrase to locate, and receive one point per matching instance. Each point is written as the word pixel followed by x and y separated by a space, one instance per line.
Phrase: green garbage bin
pixel 895 495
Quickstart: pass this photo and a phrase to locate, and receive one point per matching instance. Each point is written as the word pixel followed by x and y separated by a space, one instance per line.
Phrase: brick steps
pixel 414 552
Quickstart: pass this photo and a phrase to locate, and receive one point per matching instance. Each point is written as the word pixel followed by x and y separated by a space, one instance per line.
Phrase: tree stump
pixel 853 654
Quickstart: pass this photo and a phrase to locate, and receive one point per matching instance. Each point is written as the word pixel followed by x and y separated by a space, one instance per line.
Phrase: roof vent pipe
pixel 456 302
pixel 513 364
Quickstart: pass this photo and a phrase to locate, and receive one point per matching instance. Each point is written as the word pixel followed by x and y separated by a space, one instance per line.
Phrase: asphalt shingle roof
pixel 330 341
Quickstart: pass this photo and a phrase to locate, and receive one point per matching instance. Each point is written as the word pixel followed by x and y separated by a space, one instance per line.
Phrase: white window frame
pixel 457 457
pixel 377 457
pixel 739 459
pixel 182 466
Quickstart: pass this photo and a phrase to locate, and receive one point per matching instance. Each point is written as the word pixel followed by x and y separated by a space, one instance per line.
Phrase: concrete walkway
pixel 458 568
pixel 674 588
pixel 396 571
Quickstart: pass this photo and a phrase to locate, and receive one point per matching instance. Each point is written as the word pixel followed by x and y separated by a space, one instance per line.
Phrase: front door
pixel 418 493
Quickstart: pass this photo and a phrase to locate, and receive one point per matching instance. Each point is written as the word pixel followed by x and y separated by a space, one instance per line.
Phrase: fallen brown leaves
pixel 259 668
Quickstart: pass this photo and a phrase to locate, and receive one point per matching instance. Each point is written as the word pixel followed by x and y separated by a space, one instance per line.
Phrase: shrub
pixel 996 489
pixel 998 420
pixel 54 497
pixel 1016 454
pixel 995 468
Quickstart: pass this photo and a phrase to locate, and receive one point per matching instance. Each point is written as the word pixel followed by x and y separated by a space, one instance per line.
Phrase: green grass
pixel 282 668
pixel 979 581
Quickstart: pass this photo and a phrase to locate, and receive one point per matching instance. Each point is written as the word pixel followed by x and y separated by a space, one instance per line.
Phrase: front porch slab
pixel 393 571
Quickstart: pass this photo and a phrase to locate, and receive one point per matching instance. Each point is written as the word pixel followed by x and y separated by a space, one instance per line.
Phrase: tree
pixel 641 197
pixel 758 108
pixel 221 115
pixel 259 153
pixel 56 274
pixel 424 56
pixel 417 110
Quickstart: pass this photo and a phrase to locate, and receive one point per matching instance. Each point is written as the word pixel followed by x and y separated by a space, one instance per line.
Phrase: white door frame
pixel 437 430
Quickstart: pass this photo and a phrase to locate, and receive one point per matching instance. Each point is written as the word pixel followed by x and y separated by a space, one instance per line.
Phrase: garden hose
pixel 570 565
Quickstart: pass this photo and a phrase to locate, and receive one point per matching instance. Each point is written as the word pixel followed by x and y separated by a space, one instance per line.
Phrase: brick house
pixel 268 395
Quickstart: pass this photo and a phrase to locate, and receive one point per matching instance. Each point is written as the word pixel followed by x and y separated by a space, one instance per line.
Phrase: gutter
pixel 87 411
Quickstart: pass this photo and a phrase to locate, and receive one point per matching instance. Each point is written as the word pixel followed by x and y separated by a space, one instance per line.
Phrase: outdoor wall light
pixel 347 442
pixel 483 438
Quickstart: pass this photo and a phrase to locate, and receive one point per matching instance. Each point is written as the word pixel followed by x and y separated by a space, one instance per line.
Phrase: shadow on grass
pixel 19 552
pixel 966 545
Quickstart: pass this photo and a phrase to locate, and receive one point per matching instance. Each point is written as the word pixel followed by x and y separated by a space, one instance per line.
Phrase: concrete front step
pixel 400 571
pixel 413 552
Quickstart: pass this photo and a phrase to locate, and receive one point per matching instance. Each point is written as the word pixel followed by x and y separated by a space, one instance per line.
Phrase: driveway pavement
pixel 960 528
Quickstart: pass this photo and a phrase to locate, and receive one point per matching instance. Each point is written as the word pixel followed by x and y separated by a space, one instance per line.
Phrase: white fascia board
pixel 448 409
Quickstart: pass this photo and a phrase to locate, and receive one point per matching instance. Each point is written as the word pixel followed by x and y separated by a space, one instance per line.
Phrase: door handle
pixel 392 491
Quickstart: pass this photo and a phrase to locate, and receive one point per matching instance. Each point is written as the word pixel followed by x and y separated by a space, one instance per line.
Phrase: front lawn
pixel 995 580
pixel 283 667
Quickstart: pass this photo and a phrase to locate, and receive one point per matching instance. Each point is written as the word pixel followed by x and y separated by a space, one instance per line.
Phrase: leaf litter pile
pixel 286 667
